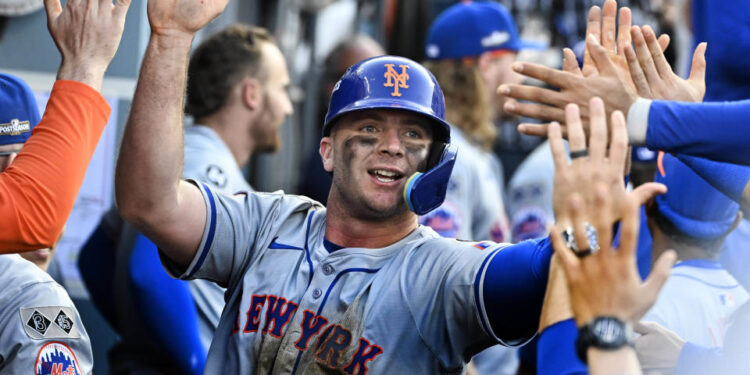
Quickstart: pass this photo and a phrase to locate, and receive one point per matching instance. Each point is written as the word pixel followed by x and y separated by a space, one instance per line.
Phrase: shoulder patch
pixel 56 358
pixel 216 176
pixel 49 322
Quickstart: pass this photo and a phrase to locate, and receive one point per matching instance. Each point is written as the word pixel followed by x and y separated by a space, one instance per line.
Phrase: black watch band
pixel 603 332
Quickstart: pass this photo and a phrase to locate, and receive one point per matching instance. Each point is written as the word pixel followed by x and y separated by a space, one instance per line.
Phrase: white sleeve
pixel 637 121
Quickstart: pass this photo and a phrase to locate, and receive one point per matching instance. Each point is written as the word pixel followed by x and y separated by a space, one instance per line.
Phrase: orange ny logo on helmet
pixel 395 79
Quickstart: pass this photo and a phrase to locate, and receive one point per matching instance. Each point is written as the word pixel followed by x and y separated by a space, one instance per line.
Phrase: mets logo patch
pixel 56 358
pixel 395 79
pixel 445 220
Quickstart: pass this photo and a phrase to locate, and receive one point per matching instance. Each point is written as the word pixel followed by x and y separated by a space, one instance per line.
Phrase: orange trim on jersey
pixel 38 190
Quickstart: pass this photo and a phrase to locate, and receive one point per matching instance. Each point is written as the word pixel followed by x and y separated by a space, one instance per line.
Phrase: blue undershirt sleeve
pixel 167 306
pixel 716 131
pixel 556 350
pixel 514 286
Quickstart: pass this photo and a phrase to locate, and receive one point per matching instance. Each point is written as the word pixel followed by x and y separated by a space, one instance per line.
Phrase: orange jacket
pixel 38 190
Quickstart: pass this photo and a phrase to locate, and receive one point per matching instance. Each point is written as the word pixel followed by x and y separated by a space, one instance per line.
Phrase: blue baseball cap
pixel 691 204
pixel 469 29
pixel 18 110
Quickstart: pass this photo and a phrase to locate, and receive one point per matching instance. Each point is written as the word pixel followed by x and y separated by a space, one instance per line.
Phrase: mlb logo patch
pixel 56 358
pixel 727 299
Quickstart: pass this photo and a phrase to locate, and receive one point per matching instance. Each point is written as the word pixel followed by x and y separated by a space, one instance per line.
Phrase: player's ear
pixel 326 153
pixel 250 93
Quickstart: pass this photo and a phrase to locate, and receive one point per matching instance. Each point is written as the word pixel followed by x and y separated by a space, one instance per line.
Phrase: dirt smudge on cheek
pixel 417 154
pixel 358 144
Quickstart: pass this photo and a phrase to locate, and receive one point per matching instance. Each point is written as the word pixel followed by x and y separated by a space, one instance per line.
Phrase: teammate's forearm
pixel 151 155
pixel 606 362
pixel 716 131
pixel 82 72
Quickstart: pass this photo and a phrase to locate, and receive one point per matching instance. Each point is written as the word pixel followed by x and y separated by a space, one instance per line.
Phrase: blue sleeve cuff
pixel 557 350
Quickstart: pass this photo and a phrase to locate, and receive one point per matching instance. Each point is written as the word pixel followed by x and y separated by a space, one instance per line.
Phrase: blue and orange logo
pixel 56 358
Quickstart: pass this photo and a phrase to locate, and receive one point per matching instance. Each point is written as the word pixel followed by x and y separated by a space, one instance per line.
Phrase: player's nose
pixel 391 143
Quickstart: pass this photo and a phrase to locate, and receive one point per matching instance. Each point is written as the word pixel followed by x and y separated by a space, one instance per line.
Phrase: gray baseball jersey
pixel 40 328
pixel 294 307
pixel 208 159
pixel 473 207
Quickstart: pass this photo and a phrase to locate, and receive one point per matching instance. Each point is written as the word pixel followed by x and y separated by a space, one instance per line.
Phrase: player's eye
pixel 413 134
pixel 369 129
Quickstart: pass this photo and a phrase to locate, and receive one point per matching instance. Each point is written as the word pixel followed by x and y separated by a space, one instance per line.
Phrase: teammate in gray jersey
pixel 355 287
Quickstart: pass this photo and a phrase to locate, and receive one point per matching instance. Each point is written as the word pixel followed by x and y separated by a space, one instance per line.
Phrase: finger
pixel 602 220
pixel 578 217
pixel 570 63
pixel 618 144
pixel 576 136
pixel 656 279
pixel 629 226
pixel 550 76
pixel 664 41
pixel 644 56
pixel 698 70
pixel 568 260
pixel 536 111
pixel 609 25
pixel 534 94
pixel 648 190
pixel 539 130
pixel 559 155
pixel 593 27
pixel 623 30
pixel 601 58
pixel 121 8
pixel 53 9
pixel 597 131
pixel 662 66
pixel 636 74
pixel 642 328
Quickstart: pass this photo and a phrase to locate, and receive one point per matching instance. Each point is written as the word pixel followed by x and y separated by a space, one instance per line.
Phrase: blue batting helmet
pixel 392 82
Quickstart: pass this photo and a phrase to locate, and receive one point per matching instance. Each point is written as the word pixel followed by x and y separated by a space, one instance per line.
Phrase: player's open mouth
pixel 385 176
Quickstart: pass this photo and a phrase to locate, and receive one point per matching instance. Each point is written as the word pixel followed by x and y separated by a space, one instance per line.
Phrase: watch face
pixel 608 330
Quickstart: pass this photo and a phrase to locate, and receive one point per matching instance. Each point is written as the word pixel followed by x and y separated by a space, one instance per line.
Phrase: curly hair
pixel 219 62
pixel 467 106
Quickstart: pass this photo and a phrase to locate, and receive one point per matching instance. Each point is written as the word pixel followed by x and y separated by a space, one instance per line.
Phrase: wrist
pixel 86 72
pixel 603 333
pixel 171 38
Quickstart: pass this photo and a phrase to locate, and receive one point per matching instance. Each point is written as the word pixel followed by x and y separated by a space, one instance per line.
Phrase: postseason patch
pixel 49 322
pixel 15 127
pixel 56 358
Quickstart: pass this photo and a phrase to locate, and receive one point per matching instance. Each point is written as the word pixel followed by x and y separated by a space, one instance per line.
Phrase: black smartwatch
pixel 603 332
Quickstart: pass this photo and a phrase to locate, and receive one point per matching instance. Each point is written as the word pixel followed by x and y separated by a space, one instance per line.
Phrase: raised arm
pixel 38 190
pixel 148 188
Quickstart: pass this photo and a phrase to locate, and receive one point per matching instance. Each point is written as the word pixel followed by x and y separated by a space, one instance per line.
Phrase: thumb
pixel 698 70
pixel 659 274
pixel 646 191
pixel 53 9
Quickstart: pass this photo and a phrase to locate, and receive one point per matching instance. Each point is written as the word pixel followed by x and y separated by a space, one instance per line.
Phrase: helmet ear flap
pixel 425 192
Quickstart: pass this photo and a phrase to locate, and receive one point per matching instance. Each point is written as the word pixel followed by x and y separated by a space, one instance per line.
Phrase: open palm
pixel 182 16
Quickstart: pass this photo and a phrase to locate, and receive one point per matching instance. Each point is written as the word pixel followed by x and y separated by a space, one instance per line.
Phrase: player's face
pixel 496 71
pixel 276 103
pixel 372 154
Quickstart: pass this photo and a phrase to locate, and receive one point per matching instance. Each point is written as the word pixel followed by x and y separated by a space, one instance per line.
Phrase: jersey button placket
pixel 328 269
pixel 316 293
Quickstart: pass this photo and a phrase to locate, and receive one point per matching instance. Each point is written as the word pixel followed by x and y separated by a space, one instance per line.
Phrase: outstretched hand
pixel 87 33
pixel 654 78
pixel 590 190
pixel 182 17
